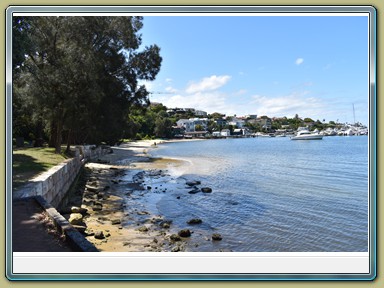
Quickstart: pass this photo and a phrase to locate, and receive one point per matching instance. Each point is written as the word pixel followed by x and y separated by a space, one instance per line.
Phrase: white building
pixel 189 125
pixel 186 124
pixel 225 132
pixel 201 113
pixel 239 123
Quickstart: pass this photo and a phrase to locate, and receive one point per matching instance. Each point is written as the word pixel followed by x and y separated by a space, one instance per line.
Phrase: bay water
pixel 272 194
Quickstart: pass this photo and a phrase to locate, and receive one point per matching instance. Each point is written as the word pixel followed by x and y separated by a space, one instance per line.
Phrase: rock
pixel 92 188
pixel 76 209
pixel 193 183
pixel 176 249
pixel 149 187
pixel 195 221
pixel 87 201
pixel 97 207
pixel 156 220
pixel 115 221
pixel 184 233
pixel 80 228
pixel 142 213
pixel 143 229
pixel 194 191
pixel 216 237
pixel 175 237
pixel 76 219
pixel 206 190
pixel 99 235
pixel 166 224
pixel 178 197
pixel 89 232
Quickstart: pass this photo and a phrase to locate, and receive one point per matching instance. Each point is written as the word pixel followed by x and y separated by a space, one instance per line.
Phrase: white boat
pixel 306 135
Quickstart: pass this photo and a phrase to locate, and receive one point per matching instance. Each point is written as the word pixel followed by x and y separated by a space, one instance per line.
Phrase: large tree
pixel 83 74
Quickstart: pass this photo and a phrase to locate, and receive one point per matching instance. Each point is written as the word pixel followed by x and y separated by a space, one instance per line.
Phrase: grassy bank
pixel 29 162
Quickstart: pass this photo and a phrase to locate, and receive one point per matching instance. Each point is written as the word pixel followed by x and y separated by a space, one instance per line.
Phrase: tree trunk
pixel 68 141
pixel 53 134
pixel 59 131
pixel 39 133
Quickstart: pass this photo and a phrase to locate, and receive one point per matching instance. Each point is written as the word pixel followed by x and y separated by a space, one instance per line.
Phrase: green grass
pixel 29 162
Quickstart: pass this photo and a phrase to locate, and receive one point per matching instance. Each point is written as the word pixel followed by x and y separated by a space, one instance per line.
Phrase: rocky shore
pixel 115 206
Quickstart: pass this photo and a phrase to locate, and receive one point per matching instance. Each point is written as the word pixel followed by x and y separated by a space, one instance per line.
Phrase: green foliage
pixel 81 75
pixel 163 127
pixel 308 120
pixel 199 127
pixel 216 115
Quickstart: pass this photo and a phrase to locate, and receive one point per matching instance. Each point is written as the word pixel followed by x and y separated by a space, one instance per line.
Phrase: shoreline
pixel 119 202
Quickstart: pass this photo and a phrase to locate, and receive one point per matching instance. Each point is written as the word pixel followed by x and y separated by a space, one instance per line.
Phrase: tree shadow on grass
pixel 24 168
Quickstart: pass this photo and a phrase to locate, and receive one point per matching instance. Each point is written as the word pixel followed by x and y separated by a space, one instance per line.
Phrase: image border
pixel 196 9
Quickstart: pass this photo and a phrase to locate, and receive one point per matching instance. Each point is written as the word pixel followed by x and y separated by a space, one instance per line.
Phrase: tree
pixel 83 74
pixel 199 127
pixel 216 115
pixel 163 127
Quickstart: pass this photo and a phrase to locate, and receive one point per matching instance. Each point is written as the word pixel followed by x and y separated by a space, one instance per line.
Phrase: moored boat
pixel 306 135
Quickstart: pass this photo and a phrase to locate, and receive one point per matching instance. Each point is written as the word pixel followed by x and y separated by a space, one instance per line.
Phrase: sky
pixel 313 66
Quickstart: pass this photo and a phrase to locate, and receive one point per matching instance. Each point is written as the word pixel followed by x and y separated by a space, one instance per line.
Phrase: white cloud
pixel 299 61
pixel 208 84
pixel 295 103
pixel 147 84
pixel 240 92
pixel 210 102
pixel 171 89
pixel 300 103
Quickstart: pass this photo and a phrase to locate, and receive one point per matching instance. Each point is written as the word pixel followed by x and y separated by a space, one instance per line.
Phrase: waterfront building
pixel 189 125
pixel 225 132
pixel 236 122
pixel 220 122
pixel 186 124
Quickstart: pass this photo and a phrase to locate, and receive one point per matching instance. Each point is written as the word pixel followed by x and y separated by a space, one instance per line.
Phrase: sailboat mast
pixel 354 119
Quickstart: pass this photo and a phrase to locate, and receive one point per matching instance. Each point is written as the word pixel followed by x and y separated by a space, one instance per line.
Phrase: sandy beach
pixel 118 202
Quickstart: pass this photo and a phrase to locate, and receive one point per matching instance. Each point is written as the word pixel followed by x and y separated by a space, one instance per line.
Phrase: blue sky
pixel 313 66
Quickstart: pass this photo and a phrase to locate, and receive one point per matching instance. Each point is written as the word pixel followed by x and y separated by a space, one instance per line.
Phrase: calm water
pixel 273 194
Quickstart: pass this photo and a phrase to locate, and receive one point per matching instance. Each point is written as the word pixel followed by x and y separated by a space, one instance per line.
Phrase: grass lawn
pixel 29 162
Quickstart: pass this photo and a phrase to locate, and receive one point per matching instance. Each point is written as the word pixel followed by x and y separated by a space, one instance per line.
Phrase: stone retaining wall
pixel 54 184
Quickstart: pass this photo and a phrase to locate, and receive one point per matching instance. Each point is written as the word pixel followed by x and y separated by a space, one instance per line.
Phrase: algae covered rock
pixel 195 221
pixel 184 233
pixel 216 237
